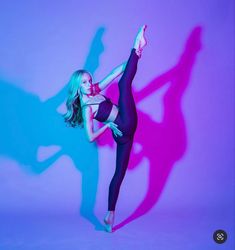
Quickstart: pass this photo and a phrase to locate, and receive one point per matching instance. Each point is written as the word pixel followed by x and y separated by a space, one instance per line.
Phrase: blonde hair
pixel 73 116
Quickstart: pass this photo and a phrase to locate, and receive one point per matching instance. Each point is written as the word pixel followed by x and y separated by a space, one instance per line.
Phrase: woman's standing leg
pixel 122 160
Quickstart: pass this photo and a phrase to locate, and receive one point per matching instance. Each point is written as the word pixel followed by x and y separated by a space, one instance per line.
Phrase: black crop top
pixel 105 107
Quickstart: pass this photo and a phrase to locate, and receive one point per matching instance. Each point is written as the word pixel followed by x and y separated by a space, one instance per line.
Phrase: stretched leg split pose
pixel 85 103
pixel 127 123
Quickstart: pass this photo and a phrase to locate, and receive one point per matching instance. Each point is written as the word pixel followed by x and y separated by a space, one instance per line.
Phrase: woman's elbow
pixel 89 136
pixel 91 139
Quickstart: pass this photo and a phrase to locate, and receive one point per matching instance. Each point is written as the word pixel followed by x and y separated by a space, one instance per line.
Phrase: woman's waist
pixel 113 114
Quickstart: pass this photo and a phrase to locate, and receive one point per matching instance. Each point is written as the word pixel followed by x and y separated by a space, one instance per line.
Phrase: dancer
pixel 85 103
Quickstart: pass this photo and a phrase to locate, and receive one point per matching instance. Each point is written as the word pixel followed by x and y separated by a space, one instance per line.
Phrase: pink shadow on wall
pixel 163 143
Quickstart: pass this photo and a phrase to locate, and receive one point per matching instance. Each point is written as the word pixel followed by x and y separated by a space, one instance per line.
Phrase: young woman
pixel 85 103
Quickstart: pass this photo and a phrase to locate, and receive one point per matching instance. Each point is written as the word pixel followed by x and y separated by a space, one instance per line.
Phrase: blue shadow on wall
pixel 28 123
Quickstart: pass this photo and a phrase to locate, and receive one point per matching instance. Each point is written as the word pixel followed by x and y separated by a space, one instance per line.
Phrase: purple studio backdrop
pixel 183 155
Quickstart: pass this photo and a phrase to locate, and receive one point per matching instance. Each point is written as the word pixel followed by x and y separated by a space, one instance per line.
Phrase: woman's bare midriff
pixel 94 107
pixel 113 113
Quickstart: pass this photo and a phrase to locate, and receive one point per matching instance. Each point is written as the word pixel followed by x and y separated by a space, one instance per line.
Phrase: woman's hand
pixel 114 128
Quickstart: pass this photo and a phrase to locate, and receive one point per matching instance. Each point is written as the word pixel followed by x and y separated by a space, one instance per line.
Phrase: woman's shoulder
pixel 95 88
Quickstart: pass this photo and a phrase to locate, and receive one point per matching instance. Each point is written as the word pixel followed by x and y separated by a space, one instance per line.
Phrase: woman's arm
pixel 113 74
pixel 88 124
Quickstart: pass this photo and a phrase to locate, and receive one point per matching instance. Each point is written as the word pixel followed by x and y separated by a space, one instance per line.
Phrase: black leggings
pixel 127 123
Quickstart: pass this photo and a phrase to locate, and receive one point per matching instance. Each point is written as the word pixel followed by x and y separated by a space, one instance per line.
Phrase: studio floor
pixel 163 229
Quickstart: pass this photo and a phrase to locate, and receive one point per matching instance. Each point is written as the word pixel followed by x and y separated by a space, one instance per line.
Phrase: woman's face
pixel 86 84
